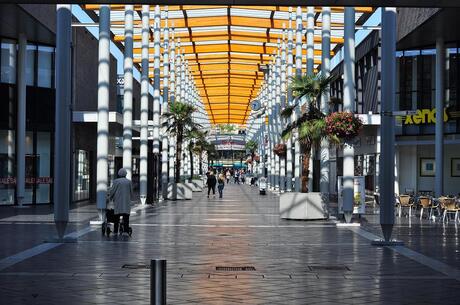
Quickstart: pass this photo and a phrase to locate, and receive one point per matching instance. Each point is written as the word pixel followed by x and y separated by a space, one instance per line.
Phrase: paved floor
pixel 295 262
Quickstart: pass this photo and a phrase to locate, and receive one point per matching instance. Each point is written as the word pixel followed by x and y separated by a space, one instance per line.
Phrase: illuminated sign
pixel 423 116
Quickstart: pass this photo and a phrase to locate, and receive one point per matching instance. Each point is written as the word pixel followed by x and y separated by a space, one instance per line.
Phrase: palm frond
pixel 287 111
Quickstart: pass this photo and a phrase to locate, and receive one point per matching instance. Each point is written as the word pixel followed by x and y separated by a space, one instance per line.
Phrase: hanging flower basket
pixel 280 150
pixel 257 158
pixel 343 125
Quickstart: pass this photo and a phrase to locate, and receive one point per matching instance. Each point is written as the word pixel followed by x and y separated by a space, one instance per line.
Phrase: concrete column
pixel 103 108
pixel 298 72
pixel 348 105
pixel 143 150
pixel 325 98
pixel 311 37
pixel 289 156
pixel 277 91
pixel 440 100
pixel 164 109
pixel 282 106
pixel 63 118
pixel 172 97
pixel 156 81
pixel 21 120
pixel 128 91
pixel 387 156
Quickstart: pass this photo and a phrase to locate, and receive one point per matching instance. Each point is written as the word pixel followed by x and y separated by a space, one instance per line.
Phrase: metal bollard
pixel 158 282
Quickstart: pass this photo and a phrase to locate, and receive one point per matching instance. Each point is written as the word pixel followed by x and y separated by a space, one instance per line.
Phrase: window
pixel 45 67
pixel 8 62
pixel 30 65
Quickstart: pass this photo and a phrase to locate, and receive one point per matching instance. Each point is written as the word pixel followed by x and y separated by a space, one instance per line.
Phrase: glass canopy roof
pixel 225 47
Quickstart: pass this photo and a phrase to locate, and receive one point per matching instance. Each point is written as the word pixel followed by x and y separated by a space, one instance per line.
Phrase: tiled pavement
pixel 243 229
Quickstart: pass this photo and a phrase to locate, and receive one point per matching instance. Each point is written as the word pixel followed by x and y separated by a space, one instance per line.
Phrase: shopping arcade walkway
pixel 243 229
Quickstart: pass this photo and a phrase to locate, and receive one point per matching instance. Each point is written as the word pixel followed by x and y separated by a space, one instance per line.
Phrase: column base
pixel 385 243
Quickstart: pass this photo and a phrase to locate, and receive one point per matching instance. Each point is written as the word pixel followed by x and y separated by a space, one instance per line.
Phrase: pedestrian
pixel 121 194
pixel 212 183
pixel 228 176
pixel 221 184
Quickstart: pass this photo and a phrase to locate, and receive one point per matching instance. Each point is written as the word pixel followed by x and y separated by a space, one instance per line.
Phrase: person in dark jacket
pixel 212 183
pixel 121 194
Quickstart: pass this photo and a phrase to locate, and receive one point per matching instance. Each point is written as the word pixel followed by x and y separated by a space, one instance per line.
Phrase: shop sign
pixel 423 116
pixel 39 180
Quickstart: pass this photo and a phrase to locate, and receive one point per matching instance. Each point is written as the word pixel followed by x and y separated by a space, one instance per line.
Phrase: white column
pixel 325 71
pixel 21 120
pixel 311 38
pixel 144 116
pixel 440 100
pixel 103 108
pixel 282 106
pixel 172 142
pixel 289 156
pixel 128 92
pixel 156 83
pixel 277 121
pixel 348 105
pixel 298 72
pixel 63 118
pixel 164 109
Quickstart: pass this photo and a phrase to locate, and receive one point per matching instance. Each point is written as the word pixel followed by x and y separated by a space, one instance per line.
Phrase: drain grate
pixel 135 266
pixel 328 268
pixel 243 268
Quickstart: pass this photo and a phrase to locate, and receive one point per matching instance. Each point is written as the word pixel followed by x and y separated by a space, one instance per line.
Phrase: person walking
pixel 121 194
pixel 221 184
pixel 212 183
pixel 228 176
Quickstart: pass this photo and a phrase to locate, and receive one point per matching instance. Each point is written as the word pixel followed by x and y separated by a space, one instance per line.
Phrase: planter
pixel 195 185
pixel 179 191
pixel 199 183
pixel 307 206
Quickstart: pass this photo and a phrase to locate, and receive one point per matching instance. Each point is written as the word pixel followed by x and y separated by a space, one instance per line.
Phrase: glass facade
pixel 416 88
pixel 40 97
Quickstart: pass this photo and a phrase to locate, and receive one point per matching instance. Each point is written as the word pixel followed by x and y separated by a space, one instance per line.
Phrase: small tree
pixel 311 125
pixel 197 145
pixel 252 146
pixel 180 122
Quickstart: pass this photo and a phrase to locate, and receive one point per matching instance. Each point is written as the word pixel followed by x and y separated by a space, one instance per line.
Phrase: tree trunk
pixel 191 164
pixel 306 153
pixel 178 153
pixel 200 167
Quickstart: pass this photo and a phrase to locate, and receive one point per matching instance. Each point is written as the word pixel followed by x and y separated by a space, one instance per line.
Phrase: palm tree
pixel 197 145
pixel 211 150
pixel 310 126
pixel 252 146
pixel 180 122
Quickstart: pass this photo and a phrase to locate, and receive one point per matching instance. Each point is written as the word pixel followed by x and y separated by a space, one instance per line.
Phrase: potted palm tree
pixel 197 147
pixel 310 128
pixel 180 124
pixel 252 146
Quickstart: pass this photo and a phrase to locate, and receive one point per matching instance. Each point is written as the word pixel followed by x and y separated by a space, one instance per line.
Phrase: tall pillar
pixel 348 105
pixel 289 156
pixel 387 156
pixel 21 120
pixel 326 71
pixel 128 91
pixel 277 121
pixel 282 106
pixel 172 97
pixel 439 132
pixel 144 116
pixel 63 118
pixel 298 72
pixel 156 99
pixel 164 109
pixel 103 108
pixel 311 37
